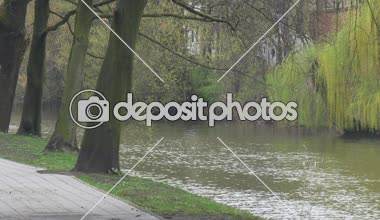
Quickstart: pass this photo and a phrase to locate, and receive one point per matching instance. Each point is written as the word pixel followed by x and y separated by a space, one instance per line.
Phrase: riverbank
pixel 167 201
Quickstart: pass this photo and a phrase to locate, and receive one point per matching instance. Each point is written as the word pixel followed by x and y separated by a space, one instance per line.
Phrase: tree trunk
pixel 64 135
pixel 378 51
pixel 12 49
pixel 283 33
pixel 31 113
pixel 100 147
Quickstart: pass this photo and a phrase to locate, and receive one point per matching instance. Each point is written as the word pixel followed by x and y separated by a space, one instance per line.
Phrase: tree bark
pixel 378 50
pixel 100 147
pixel 64 135
pixel 12 49
pixel 31 113
pixel 283 33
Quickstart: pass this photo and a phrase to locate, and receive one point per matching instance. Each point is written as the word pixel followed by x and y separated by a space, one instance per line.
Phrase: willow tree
pixel 12 49
pixel 31 114
pixel 336 84
pixel 100 147
pixel 64 136
pixel 374 9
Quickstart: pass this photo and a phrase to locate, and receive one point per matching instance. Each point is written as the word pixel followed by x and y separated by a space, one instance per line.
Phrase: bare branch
pixel 94 56
pixel 255 78
pixel 178 54
pixel 63 20
pixel 105 2
pixel 72 33
pixel 164 15
pixel 203 15
pixel 69 14
pixel 177 16
pixel 73 2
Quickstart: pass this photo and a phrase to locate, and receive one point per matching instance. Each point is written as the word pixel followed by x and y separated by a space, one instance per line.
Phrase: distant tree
pixel 12 49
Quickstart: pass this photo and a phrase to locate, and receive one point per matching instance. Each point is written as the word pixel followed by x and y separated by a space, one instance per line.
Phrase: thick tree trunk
pixel 377 22
pixel 64 135
pixel 31 114
pixel 378 51
pixel 12 49
pixel 100 147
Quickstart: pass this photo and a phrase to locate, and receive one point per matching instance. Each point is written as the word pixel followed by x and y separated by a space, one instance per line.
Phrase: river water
pixel 313 176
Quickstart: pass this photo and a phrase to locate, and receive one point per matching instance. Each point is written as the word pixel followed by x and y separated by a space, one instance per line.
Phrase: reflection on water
pixel 318 176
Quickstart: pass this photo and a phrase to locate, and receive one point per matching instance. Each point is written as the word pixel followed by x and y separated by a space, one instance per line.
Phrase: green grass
pixel 28 150
pixel 160 198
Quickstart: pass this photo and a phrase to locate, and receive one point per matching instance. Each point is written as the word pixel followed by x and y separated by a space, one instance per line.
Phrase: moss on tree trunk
pixel 100 147
pixel 12 49
pixel 31 113
pixel 64 135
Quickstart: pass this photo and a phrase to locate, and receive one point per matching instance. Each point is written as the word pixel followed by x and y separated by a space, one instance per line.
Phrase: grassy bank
pixel 162 199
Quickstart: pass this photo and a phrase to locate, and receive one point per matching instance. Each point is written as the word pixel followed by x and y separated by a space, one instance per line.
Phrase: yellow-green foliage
pixel 343 91
pixel 294 80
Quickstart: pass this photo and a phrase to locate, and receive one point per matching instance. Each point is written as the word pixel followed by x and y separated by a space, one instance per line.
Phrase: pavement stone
pixel 27 194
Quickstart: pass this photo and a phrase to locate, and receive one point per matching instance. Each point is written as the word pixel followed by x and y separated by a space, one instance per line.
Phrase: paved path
pixel 26 194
